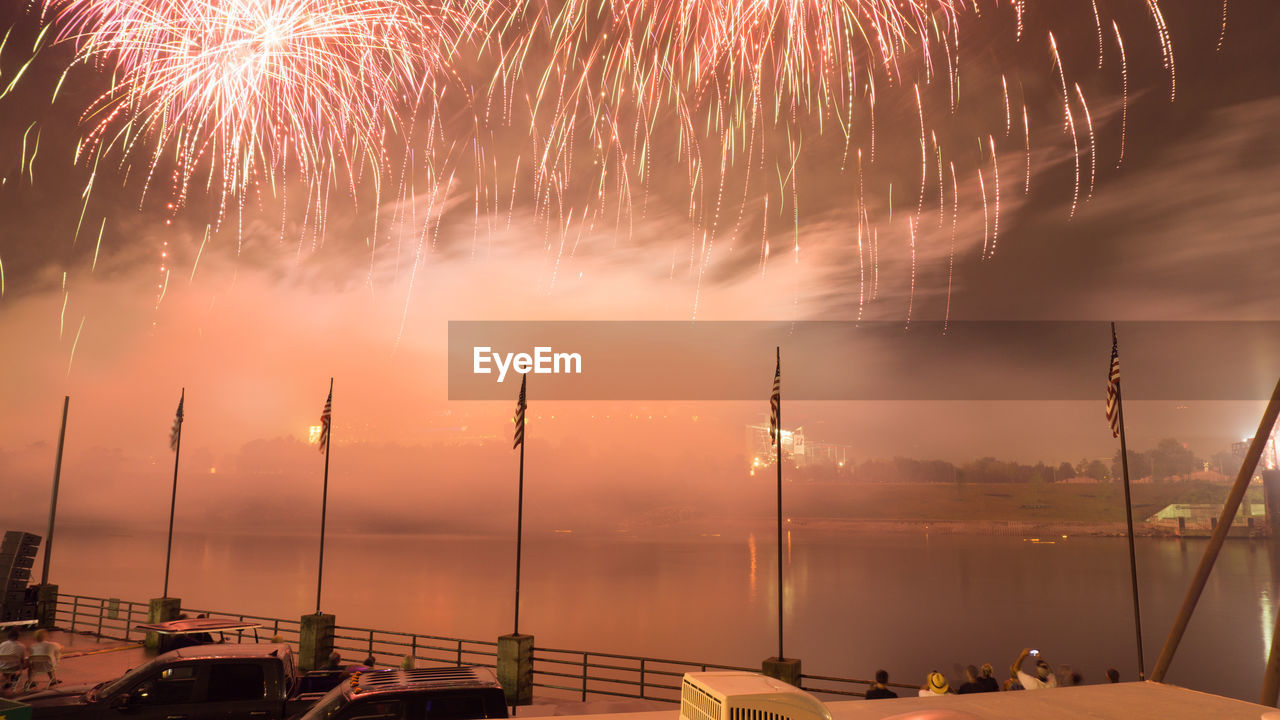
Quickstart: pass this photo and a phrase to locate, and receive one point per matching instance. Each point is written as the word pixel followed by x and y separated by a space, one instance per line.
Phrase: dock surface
pixel 87 660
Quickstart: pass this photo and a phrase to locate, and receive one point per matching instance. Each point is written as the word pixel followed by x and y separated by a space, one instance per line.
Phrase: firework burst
pixel 236 92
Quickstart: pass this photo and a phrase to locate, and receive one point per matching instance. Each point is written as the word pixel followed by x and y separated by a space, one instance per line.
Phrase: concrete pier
pixel 46 605
pixel 785 669
pixel 160 610
pixel 315 641
pixel 515 668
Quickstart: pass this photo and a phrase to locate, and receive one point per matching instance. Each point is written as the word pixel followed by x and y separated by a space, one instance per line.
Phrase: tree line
pixel 1169 458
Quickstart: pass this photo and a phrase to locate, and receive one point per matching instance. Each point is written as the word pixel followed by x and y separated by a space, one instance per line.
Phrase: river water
pixel 854 602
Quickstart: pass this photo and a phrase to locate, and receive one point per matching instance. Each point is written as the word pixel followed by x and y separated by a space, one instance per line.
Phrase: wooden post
pixel 53 502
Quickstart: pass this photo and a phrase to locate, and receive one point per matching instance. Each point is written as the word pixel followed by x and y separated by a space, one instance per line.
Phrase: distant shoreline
pixel 1025 529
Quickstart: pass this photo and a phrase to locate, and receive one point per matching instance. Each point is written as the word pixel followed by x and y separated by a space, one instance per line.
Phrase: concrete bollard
pixel 515 668
pixel 46 605
pixel 785 669
pixel 161 610
pixel 315 641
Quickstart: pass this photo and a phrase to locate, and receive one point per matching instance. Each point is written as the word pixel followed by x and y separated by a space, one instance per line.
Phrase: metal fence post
pixel 459 652
pixel 584 677
pixel 75 610
pixel 128 620
pixel 641 678
pixel 102 606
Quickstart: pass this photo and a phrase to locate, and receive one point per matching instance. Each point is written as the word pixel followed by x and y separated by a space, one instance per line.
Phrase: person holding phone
pixel 1044 674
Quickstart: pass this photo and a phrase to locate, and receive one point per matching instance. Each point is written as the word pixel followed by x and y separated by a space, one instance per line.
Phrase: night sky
pixel 255 309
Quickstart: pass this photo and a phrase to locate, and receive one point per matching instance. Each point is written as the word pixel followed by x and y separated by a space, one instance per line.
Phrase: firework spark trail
pixel 1093 146
pixel 875 263
pixel 196 263
pixel 951 261
pixel 911 297
pixel 1069 123
pixel 98 245
pixel 1222 35
pixel 924 156
pixel 862 231
pixel 986 218
pixel 862 273
pixel 66 298
pixel 764 237
pixel 74 343
pixel 942 200
pixel 1026 134
pixel 995 169
pixel 1166 46
pixel 1097 21
pixel 1124 92
pixel 1008 117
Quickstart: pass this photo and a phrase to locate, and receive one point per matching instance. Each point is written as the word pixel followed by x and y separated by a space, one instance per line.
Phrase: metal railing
pixel 845 687
pixel 565 673
pixel 630 676
pixel 105 617
pixel 389 648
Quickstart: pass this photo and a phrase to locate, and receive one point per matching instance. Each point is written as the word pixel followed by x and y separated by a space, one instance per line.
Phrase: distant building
pixel 1201 519
pixel 796 448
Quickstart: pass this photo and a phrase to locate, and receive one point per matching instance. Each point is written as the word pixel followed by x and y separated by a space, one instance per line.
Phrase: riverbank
pixel 1028 510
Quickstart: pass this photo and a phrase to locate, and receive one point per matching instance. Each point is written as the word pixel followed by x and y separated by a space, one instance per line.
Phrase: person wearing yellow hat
pixel 935 684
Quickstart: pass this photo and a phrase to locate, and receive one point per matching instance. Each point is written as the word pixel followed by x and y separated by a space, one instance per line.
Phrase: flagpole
pixel 520 502
pixel 1128 517
pixel 779 439
pixel 324 499
pixel 519 537
pixel 53 502
pixel 173 497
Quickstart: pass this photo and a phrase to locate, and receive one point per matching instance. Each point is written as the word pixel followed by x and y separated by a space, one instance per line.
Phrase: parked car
pixel 251 681
pixel 446 693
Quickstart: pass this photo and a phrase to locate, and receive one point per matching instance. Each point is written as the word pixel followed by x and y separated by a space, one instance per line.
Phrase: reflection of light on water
pixel 1267 616
pixel 751 547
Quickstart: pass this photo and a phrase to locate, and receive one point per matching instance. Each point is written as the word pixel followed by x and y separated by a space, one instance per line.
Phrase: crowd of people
pixel 40 657
pixel 980 680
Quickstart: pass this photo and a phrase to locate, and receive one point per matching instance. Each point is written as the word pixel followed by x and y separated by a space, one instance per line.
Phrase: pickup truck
pixel 251 681
pixel 444 693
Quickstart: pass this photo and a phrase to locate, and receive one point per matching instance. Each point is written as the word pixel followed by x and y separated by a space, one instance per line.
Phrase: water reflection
pixel 1266 599
pixel 903 601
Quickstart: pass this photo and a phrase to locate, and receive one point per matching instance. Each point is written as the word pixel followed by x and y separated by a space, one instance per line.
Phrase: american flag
pixel 325 418
pixel 1113 387
pixel 775 402
pixel 177 423
pixel 520 407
